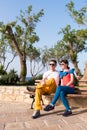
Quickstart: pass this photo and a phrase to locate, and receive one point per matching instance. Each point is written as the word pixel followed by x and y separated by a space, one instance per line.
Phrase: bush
pixel 2 71
pixel 39 76
pixel 32 80
pixel 9 79
pixel 4 79
pixel 13 77
pixel 28 82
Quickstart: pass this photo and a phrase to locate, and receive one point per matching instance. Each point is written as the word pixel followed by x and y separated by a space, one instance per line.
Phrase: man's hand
pixel 37 81
pixel 42 82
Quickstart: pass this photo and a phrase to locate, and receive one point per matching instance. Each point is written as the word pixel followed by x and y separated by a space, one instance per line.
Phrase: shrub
pixel 9 79
pixel 4 79
pixel 39 76
pixel 13 77
pixel 2 71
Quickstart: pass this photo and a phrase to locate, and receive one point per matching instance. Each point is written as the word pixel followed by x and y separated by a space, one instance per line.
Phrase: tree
pixel 36 64
pixel 74 42
pixel 47 54
pixel 57 52
pixel 4 48
pixel 2 52
pixel 21 34
pixel 60 51
pixel 80 16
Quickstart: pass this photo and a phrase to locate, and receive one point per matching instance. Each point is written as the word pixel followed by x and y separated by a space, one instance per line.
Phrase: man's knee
pixel 50 82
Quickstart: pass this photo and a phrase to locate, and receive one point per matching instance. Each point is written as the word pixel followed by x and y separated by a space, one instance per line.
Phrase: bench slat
pixel 77 95
pixel 27 92
pixel 83 94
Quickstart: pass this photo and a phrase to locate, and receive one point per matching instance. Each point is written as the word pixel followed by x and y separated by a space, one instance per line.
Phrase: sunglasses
pixel 52 64
pixel 62 64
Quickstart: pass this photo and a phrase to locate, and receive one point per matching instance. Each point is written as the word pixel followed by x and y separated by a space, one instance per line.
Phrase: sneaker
pixel 49 108
pixel 36 114
pixel 30 88
pixel 67 113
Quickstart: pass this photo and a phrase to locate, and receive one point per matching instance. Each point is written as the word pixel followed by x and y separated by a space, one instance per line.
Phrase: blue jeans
pixel 62 91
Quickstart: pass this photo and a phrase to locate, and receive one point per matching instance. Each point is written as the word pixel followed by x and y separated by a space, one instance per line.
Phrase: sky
pixel 55 17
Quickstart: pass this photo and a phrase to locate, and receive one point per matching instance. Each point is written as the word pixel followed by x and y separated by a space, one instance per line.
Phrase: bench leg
pixel 34 101
pixel 42 101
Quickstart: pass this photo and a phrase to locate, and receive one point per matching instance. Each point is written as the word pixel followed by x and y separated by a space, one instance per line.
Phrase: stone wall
pixel 14 94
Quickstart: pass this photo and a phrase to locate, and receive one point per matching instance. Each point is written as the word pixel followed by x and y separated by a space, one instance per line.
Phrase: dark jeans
pixel 62 91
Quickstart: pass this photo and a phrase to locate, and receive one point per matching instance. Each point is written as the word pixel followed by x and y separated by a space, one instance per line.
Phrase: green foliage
pixel 9 79
pixel 4 79
pixel 13 77
pixel 31 81
pixel 80 16
pixel 40 76
pixel 74 40
pixel 20 34
pixel 75 81
pixel 33 53
pixel 2 71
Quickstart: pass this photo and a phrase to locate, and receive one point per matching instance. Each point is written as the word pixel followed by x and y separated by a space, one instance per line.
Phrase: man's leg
pixel 38 95
pixel 49 88
pixel 37 105
pixel 40 90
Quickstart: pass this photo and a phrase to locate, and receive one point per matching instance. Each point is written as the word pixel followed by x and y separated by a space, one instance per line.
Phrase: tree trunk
pixel 23 70
pixel 78 73
pixel 73 56
pixel 21 55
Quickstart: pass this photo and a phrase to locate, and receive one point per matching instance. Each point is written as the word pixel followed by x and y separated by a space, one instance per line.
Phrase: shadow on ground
pixel 75 111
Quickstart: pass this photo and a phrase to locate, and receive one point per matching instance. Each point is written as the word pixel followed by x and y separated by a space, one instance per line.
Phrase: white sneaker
pixel 36 114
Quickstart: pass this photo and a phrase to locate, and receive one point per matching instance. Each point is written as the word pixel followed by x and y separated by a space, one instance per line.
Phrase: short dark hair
pixel 53 60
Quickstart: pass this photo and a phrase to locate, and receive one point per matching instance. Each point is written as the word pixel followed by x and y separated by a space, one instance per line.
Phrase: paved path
pixel 16 116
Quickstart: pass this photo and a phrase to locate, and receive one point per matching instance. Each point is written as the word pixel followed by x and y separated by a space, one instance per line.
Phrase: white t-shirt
pixel 52 74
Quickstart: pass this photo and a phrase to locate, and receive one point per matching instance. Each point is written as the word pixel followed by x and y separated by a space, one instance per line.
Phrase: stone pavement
pixel 17 116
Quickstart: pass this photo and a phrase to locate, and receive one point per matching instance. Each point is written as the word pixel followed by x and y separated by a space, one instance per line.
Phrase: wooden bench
pixel 83 83
pixel 82 93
